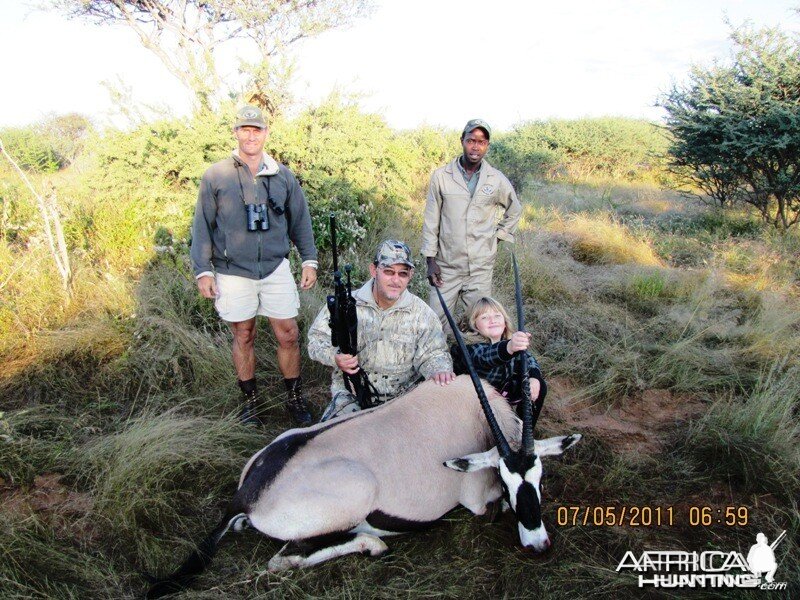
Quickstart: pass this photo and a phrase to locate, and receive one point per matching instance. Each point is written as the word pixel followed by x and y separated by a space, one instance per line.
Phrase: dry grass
pixel 625 293
pixel 600 240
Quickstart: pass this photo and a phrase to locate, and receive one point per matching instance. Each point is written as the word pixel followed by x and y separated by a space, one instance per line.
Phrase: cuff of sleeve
pixel 505 236
pixel 502 351
pixel 310 263
pixel 442 364
pixel 204 274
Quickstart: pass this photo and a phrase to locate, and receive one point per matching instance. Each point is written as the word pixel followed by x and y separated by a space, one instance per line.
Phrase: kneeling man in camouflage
pixel 400 338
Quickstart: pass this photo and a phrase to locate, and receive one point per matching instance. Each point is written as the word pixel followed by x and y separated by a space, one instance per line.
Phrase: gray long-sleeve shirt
pixel 220 239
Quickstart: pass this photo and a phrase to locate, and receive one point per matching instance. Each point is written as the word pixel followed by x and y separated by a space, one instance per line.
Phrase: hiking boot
pixel 249 414
pixel 297 407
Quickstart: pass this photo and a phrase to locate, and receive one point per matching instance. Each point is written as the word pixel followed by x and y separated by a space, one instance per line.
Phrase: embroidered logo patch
pixel 487 189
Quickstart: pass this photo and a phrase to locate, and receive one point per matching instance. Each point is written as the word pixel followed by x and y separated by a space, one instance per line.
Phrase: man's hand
pixel 208 287
pixel 347 363
pixel 443 378
pixel 519 342
pixel 308 278
pixel 434 272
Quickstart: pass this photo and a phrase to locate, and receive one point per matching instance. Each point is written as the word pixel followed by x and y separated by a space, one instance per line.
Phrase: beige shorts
pixel 240 298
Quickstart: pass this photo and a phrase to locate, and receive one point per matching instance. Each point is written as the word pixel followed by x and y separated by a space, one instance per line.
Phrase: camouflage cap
pixel 250 116
pixel 477 124
pixel 393 252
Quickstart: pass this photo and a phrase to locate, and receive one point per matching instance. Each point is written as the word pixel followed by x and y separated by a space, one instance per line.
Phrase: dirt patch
pixel 639 424
pixel 51 501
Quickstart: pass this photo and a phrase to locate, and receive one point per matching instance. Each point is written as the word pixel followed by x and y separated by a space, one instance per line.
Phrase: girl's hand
pixel 519 342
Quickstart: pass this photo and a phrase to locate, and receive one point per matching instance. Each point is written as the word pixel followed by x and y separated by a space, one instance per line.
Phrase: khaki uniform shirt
pixel 397 346
pixel 461 230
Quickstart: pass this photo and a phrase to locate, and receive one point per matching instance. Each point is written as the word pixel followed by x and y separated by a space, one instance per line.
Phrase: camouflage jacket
pixel 397 346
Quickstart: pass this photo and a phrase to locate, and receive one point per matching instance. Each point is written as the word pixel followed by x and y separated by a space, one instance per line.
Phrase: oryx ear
pixel 475 462
pixel 556 445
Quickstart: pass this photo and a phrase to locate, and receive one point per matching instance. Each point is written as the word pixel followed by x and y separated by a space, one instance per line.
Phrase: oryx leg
pixel 310 552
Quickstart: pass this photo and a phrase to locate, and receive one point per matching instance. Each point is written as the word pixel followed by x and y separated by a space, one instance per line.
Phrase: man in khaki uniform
pixel 400 339
pixel 460 231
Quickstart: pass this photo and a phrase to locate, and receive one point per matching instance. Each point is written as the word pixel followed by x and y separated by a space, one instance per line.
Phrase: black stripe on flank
pixel 380 520
pixel 528 510
pixel 269 463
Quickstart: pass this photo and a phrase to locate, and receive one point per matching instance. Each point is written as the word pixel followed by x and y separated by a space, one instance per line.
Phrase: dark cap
pixel 477 124
pixel 250 116
pixel 393 252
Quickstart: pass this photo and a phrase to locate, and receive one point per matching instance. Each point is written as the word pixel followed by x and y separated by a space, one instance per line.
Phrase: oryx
pixel 337 487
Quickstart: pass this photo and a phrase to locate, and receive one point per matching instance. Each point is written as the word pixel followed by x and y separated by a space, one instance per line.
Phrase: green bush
pixel 47 146
pixel 615 148
pixel 30 150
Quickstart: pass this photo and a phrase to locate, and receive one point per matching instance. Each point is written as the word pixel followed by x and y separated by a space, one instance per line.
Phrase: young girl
pixel 492 345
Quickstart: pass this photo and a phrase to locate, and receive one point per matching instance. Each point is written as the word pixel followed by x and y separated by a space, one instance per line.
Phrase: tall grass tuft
pixel 603 241
pixel 34 440
pixel 754 443
pixel 160 468
pixel 36 561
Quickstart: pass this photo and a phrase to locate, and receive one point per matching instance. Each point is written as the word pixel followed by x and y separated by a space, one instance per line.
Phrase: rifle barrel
pixel 334 250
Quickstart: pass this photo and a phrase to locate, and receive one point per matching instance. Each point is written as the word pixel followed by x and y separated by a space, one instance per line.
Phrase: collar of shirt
pixel 472 182
pixel 268 166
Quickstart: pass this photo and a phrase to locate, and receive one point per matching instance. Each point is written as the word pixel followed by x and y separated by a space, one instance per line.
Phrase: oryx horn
pixel 523 385
pixel 502 445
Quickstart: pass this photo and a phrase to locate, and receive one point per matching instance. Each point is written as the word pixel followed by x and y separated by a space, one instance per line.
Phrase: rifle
pixel 344 326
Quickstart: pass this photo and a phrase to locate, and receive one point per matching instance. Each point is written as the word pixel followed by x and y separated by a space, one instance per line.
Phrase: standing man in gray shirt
pixel 249 208
pixel 461 230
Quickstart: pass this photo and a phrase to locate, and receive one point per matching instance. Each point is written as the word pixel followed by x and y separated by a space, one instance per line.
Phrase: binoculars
pixel 257 219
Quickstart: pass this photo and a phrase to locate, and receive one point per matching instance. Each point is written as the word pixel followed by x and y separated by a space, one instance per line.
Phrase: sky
pixel 434 62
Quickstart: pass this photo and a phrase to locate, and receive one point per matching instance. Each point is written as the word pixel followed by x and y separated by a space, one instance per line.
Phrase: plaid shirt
pixel 493 363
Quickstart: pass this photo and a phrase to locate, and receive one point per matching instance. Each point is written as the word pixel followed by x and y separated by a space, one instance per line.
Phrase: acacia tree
pixel 736 127
pixel 186 34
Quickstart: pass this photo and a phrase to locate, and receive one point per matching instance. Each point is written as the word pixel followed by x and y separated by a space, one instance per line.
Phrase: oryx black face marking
pixel 529 509
pixel 526 504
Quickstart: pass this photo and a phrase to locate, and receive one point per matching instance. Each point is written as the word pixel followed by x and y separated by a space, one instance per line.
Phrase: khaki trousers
pixel 460 291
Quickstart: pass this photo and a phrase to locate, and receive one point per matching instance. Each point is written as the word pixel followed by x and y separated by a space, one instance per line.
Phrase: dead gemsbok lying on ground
pixel 338 487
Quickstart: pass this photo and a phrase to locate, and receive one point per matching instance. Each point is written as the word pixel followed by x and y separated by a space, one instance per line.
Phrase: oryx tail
pixel 198 560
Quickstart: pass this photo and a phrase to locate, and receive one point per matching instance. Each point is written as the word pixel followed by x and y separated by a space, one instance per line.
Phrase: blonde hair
pixel 485 304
